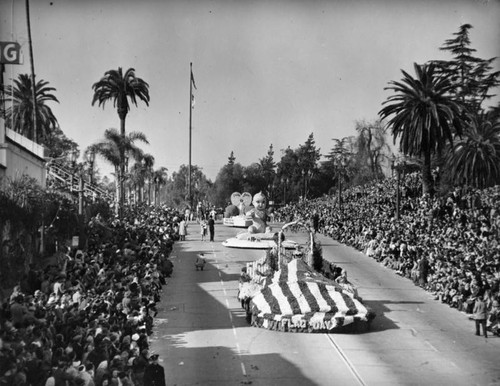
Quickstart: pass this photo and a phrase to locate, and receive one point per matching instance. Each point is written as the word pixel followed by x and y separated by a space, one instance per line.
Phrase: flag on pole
pixel 194 86
pixel 192 80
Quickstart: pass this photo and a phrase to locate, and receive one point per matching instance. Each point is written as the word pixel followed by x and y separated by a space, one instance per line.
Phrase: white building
pixel 19 156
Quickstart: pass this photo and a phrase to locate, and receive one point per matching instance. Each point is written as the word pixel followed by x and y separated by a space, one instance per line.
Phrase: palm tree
pixel 114 148
pixel 140 175
pixel 147 163
pixel 19 116
pixel 120 87
pixel 475 158
pixel 424 116
pixel 159 180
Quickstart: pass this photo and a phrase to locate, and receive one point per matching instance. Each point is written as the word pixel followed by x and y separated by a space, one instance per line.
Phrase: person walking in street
pixel 211 227
pixel 480 315
pixel 154 374
pixel 182 230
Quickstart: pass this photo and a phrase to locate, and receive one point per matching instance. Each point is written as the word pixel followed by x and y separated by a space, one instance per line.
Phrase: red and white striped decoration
pixel 298 299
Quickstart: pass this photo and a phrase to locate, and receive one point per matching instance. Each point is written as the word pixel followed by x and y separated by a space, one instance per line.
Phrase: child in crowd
pixel 203 229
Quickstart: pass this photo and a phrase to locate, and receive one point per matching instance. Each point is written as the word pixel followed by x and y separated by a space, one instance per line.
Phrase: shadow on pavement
pixel 220 365
pixel 381 321
pixel 201 328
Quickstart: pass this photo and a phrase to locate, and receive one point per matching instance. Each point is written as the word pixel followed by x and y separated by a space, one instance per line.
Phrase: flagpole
pixel 190 118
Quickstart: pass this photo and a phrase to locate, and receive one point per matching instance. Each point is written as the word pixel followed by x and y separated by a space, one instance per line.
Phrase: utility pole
pixel 33 84
pixel 80 195
pixel 191 82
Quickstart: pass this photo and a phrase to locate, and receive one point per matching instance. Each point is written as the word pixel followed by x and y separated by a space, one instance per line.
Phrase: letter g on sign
pixel 10 53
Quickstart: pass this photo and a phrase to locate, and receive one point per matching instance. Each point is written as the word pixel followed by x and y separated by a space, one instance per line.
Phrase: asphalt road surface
pixel 203 338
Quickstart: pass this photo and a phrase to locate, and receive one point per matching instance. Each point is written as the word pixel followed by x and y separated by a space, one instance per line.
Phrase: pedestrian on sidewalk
pixel 182 230
pixel 211 227
pixel 480 315
pixel 155 373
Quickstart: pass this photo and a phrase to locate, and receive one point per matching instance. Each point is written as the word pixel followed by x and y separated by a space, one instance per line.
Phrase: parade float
pixel 292 292
pixel 234 215
pixel 258 234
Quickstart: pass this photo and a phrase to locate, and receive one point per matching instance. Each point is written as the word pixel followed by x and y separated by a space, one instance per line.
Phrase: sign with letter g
pixel 10 53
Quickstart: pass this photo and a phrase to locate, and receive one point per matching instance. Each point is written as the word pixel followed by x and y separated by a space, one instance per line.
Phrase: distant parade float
pixel 252 214
pixel 283 292
pixel 234 215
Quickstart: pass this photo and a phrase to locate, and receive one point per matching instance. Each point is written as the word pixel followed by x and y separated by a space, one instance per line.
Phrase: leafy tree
pixel 231 159
pixel 255 180
pixel 342 161
pixel 176 189
pixel 229 179
pixel 474 80
pixel 57 144
pixel 289 174
pixel 288 163
pixel 120 88
pixel 268 172
pixel 308 156
pixel 371 146
pixel 472 76
pixel 19 115
pixel 424 115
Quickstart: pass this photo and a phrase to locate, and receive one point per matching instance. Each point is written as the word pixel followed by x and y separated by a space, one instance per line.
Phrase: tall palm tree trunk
pixel 121 174
pixel 117 191
pixel 427 186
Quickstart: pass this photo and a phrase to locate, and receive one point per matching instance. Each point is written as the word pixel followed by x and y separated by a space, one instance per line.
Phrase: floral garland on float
pixel 282 292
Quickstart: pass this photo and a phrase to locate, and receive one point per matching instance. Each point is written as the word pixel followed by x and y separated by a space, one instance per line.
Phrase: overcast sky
pixel 267 72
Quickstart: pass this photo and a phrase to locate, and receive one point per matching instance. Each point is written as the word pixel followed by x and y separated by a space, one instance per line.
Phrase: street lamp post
pixel 304 183
pixel 128 193
pixel 147 190
pixel 80 194
pixel 340 173
pixel 156 187
pixel 398 177
pixel 396 165
pixel 339 187
pixel 284 182
pixel 73 157
pixel 80 191
pixel 91 160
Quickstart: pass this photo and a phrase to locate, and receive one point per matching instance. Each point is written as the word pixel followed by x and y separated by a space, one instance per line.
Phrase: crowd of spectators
pixel 86 318
pixel 449 245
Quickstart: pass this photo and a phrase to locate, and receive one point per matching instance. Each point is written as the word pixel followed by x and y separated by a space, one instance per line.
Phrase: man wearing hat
pixel 154 374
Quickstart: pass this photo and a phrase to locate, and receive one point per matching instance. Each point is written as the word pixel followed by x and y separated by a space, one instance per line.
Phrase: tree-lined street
pixel 203 338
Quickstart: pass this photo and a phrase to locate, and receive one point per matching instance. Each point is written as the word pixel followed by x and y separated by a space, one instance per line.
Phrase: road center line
pixel 346 360
pixel 237 345
pixel 431 346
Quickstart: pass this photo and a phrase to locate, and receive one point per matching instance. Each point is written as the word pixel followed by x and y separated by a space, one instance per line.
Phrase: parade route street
pixel 203 338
